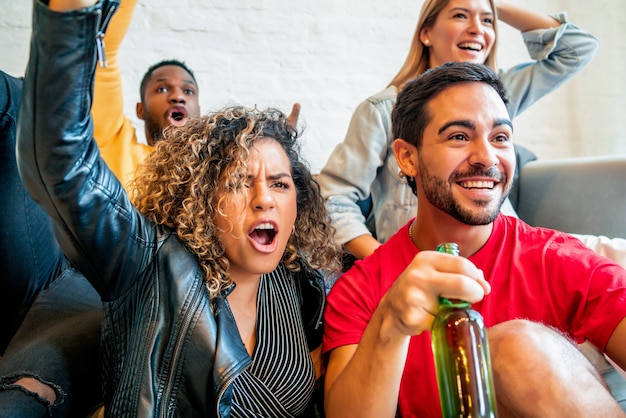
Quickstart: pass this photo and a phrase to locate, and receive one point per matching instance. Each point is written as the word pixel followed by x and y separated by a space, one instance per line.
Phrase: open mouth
pixel 471 46
pixel 177 115
pixel 477 184
pixel 264 233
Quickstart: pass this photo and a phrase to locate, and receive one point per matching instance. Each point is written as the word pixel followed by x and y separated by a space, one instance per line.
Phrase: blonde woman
pixel 363 165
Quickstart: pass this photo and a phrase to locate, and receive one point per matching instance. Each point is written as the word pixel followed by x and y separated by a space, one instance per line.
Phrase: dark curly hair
pixel 183 184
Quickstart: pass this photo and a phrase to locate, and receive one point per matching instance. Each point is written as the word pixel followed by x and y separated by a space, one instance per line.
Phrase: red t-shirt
pixel 535 273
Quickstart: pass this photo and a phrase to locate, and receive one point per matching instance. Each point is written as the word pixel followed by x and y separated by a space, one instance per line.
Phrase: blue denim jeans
pixel 617 386
pixel 58 344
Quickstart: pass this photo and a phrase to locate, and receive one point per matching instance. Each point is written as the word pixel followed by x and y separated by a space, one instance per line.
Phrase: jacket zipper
pixel 102 25
pixel 182 335
pixel 239 367
pixel 320 313
pixel 225 386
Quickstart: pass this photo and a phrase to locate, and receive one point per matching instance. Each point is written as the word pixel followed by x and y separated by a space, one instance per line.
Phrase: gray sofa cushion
pixel 578 195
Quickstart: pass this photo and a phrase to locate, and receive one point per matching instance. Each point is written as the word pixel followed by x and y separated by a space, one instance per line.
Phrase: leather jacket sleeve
pixel 96 225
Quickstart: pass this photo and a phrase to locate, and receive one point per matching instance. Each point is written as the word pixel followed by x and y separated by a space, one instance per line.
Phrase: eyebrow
pixel 276 176
pixel 463 9
pixel 471 125
pixel 279 176
pixel 167 80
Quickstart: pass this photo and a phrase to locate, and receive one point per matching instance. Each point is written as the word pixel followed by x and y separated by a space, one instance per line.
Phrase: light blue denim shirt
pixel 364 162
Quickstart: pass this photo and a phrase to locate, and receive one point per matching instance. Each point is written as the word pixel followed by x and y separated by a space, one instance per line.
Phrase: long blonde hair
pixel 418 57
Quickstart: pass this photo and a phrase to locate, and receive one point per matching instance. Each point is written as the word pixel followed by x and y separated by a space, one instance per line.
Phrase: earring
pixel 426 42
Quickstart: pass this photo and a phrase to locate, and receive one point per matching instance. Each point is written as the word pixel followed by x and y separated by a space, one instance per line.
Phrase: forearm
pixel 524 19
pixel 53 125
pixel 362 246
pixel 108 103
pixel 369 384
pixel 615 346
pixel 58 159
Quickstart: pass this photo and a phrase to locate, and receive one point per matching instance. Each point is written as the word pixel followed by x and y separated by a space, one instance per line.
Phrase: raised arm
pixel 97 226
pixel 559 51
pixel 108 102
pixel 524 19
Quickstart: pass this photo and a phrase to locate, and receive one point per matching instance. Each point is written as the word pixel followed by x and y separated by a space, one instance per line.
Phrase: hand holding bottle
pixel 413 300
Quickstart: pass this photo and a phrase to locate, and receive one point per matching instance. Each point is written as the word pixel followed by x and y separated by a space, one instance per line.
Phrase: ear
pixel 406 157
pixel 139 110
pixel 425 36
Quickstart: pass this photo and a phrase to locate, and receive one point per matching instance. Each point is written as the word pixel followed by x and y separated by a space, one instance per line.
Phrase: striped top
pixel 279 382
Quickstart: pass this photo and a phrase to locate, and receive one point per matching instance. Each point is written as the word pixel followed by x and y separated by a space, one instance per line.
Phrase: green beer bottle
pixel 462 361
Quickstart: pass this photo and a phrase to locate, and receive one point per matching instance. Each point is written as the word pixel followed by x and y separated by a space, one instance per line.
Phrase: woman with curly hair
pixel 212 281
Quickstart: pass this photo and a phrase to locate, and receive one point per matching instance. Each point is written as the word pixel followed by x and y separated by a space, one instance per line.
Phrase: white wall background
pixel 331 54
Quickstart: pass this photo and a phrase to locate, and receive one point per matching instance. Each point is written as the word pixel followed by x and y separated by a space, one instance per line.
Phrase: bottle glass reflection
pixel 462 361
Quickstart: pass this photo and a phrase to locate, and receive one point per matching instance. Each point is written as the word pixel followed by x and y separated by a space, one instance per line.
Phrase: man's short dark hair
pixel 148 74
pixel 410 114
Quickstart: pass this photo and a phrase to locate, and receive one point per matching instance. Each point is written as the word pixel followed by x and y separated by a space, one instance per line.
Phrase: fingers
pixel 431 312
pixel 454 277
pixel 292 119
pixel 413 300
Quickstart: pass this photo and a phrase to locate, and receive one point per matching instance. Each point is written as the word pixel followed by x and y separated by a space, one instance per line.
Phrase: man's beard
pixel 439 193
pixel 153 128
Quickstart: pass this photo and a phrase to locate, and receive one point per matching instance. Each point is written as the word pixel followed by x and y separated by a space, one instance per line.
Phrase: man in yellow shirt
pixel 169 95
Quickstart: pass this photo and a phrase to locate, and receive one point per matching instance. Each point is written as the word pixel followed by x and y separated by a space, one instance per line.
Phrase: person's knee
pixel 45 393
pixel 534 361
pixel 511 342
pixel 528 346
pixel 43 390
pixel 527 341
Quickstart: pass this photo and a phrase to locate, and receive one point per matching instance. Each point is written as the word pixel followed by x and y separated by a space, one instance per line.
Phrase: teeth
pixel 471 45
pixel 265 225
pixel 478 184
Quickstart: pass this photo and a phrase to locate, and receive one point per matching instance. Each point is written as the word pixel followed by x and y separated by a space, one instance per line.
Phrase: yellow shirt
pixel 114 132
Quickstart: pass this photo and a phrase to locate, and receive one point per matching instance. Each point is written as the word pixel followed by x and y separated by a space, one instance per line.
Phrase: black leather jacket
pixel 165 351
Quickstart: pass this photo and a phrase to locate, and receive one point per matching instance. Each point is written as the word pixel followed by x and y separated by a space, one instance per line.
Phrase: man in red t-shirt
pixel 456 152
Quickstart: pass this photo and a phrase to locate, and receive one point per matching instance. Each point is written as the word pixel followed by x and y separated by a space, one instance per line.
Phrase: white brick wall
pixel 331 54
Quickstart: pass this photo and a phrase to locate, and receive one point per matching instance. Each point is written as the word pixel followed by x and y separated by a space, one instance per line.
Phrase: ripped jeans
pixel 57 344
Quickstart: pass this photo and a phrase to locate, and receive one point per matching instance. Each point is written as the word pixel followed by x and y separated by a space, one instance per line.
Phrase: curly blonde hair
pixel 183 184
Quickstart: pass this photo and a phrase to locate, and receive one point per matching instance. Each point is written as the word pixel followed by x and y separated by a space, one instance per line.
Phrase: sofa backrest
pixel 577 195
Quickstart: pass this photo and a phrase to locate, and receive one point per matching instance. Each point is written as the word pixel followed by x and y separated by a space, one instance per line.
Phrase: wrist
pixel 68 5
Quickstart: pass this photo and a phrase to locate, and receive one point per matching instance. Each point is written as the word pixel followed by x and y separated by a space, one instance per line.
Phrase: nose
pixel 177 95
pixel 262 198
pixel 476 25
pixel 483 154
